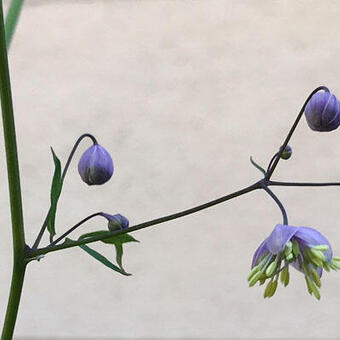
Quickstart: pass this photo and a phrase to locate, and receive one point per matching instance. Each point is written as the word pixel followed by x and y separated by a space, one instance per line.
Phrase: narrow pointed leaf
pixel 119 255
pixel 117 241
pixel 102 259
pixel 258 167
pixel 120 239
pixel 55 194
pixel 94 233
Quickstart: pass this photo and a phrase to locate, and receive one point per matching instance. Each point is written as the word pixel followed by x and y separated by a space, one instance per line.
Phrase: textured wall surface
pixel 181 93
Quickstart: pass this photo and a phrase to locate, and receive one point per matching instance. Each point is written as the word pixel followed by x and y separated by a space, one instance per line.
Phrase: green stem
pixel 12 19
pixel 70 244
pixel 13 300
pixel 44 226
pixel 14 188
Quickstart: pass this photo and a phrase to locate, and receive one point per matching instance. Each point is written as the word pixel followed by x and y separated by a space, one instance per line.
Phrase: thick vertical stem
pixel 14 188
pixel 13 300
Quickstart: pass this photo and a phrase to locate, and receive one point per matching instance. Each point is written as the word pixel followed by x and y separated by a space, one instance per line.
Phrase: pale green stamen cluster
pixel 268 267
pixel 309 261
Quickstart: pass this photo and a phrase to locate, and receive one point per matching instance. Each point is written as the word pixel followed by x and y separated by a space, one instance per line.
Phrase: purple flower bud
pixel 323 112
pixel 116 222
pixel 287 152
pixel 95 165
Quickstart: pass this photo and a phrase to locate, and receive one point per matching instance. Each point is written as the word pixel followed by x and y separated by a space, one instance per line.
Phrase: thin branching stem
pixel 291 131
pixel 277 201
pixel 74 228
pixel 44 226
pixel 303 184
pixel 147 224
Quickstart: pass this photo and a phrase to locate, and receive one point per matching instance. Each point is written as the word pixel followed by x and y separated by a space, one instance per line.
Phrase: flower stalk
pixel 14 189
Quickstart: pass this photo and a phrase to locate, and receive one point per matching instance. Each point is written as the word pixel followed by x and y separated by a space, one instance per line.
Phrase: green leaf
pixel 93 234
pixel 119 255
pixel 117 241
pixel 102 259
pixel 56 187
pixel 257 166
pixel 120 239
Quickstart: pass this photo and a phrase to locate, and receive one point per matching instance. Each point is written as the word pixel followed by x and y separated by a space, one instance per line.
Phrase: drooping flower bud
pixel 116 222
pixel 323 112
pixel 287 152
pixel 304 248
pixel 95 165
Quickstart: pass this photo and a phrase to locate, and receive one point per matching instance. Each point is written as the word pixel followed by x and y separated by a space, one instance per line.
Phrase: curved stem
pixel 74 228
pixel 278 202
pixel 74 150
pixel 291 131
pixel 71 244
pixel 14 189
pixel 44 226
pixel 271 162
pixel 303 184
pixel 12 19
pixel 258 167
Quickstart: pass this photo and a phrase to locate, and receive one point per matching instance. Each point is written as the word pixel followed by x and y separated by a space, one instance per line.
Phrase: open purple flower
pixel 95 165
pixel 304 248
pixel 323 112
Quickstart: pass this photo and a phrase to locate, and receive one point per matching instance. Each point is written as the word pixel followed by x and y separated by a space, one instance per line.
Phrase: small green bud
pixel 296 249
pixel 317 254
pixel 287 152
pixel 336 259
pixel 316 278
pixel 255 278
pixel 326 267
pixel 312 289
pixel 335 265
pixel 288 251
pixel 271 268
pixel 270 289
pixel 284 276
pixel 322 247
pixel 253 272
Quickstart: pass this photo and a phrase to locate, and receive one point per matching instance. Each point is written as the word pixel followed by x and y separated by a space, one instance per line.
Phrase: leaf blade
pixel 102 259
pixel 56 187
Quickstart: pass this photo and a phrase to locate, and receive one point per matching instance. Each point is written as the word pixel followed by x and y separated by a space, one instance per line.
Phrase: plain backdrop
pixel 181 93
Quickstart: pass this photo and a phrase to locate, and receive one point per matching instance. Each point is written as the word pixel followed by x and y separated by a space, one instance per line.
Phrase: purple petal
pixel 95 165
pixel 323 112
pixel 310 237
pixel 116 221
pixel 279 237
pixel 262 249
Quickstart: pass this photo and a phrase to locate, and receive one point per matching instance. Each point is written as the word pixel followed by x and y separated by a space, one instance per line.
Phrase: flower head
pixel 323 112
pixel 304 248
pixel 95 165
pixel 116 222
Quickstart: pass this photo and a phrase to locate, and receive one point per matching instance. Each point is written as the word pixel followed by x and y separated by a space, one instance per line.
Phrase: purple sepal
pixel 95 165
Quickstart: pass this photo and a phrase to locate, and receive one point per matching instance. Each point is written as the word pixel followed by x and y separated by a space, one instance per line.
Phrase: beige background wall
pixel 181 93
